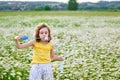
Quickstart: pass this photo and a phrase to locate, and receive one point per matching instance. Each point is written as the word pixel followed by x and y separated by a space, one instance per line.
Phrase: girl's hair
pixel 39 27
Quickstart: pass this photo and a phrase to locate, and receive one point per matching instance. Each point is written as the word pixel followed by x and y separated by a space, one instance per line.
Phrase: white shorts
pixel 41 72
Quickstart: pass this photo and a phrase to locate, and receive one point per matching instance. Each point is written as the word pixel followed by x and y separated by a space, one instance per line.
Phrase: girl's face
pixel 43 33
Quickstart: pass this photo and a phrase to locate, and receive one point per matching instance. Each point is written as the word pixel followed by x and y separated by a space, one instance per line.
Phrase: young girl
pixel 42 53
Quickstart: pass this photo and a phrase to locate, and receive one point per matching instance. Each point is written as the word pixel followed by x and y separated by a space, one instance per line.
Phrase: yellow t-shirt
pixel 41 52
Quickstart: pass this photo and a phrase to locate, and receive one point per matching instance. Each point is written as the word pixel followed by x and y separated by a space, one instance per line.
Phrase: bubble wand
pixel 61 67
pixel 24 37
pixel 44 38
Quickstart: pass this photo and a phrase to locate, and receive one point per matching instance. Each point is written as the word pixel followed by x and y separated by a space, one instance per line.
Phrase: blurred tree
pixel 47 8
pixel 72 5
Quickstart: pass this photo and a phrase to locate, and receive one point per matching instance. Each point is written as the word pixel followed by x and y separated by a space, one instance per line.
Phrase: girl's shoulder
pixel 51 43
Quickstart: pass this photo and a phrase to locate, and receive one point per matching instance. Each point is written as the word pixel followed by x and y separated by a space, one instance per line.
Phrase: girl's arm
pixel 54 57
pixel 24 45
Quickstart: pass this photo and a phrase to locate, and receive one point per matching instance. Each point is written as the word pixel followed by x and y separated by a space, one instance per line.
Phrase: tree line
pixel 71 5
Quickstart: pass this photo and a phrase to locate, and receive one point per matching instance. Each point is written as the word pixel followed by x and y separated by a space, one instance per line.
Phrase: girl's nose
pixel 44 34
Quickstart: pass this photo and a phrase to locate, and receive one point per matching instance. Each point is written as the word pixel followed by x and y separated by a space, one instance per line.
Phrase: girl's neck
pixel 44 42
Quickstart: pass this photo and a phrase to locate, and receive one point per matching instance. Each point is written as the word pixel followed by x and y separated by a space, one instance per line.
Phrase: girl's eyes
pixel 43 32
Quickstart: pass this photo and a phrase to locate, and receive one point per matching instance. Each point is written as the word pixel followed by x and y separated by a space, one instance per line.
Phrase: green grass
pixel 59 13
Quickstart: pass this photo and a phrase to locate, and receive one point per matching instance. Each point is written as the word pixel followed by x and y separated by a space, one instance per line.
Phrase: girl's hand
pixel 18 38
pixel 61 59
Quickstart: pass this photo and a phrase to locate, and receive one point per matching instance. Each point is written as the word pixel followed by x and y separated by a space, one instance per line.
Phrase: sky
pixel 65 1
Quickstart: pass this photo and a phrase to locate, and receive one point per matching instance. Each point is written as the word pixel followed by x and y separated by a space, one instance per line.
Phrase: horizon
pixel 64 1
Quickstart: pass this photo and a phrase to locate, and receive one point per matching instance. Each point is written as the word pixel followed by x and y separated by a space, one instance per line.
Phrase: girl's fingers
pixel 18 38
pixel 61 59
